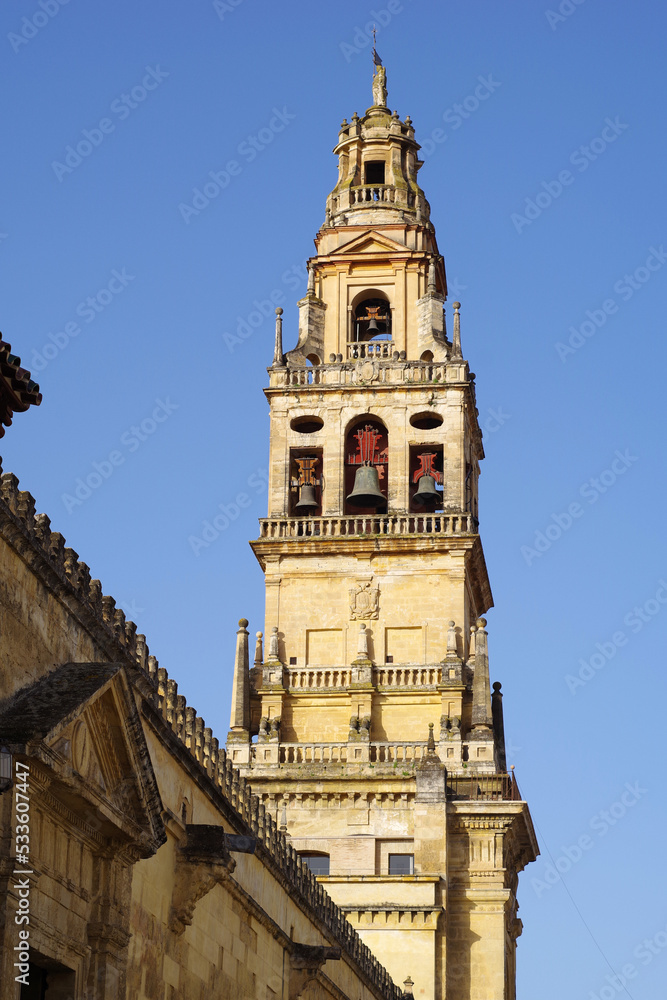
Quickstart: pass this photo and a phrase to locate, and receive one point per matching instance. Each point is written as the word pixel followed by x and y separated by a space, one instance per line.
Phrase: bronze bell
pixel 366 490
pixel 372 326
pixel 426 490
pixel 307 499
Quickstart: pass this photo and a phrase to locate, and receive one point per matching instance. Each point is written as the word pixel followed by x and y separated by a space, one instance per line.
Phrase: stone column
pixel 482 721
pixel 239 722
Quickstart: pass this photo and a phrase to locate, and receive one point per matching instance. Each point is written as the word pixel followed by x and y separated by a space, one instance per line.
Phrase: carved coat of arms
pixel 364 602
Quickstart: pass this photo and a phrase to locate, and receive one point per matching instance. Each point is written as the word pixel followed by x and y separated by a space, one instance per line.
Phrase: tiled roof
pixel 17 389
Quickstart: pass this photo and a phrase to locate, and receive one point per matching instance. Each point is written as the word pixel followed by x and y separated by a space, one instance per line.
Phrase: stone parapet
pixel 358 526
pixel 371 367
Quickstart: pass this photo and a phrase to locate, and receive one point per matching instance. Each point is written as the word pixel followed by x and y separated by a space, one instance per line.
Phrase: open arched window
pixel 371 336
pixel 366 467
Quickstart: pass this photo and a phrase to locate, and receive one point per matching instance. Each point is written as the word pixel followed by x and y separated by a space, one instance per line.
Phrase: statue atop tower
pixel 380 86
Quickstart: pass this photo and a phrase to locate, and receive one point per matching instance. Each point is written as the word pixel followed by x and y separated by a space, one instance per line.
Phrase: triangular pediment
pixel 85 717
pixel 370 242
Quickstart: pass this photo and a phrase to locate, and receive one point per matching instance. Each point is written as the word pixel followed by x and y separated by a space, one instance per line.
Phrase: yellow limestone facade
pixel 367 726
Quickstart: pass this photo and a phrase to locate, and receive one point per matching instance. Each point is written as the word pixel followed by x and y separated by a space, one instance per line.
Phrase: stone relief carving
pixel 364 602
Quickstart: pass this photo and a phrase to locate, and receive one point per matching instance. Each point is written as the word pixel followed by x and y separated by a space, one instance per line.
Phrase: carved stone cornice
pixel 393 916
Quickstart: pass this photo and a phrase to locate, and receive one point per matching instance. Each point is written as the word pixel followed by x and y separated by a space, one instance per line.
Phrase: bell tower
pixel 368 725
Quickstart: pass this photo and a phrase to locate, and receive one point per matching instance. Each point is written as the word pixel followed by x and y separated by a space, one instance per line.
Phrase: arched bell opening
pixel 366 467
pixel 305 491
pixel 371 333
pixel 426 478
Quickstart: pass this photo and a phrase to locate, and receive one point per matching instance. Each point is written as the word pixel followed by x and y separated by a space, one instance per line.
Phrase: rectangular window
pixel 401 864
pixel 375 172
pixel 318 863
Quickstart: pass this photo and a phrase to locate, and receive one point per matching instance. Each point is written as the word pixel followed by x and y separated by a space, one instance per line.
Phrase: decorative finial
pixel 278 356
pixel 451 638
pixel 431 276
pixel 274 650
pixel 456 336
pixel 362 649
pixel 430 746
pixel 243 623
pixel 471 643
pixel 259 651
pixel 408 984
pixel 311 281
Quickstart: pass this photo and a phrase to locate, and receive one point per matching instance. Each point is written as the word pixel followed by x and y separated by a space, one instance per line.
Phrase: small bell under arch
pixel 307 501
pixel 426 491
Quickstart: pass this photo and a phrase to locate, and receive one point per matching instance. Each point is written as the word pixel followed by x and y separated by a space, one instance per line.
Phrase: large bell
pixel 366 491
pixel 372 326
pixel 307 499
pixel 426 491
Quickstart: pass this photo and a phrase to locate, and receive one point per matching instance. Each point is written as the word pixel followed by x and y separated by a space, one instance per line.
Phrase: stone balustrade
pixel 306 680
pixel 361 349
pixel 350 753
pixel 318 678
pixel 410 676
pixel 364 194
pixel 483 787
pixel 397 753
pixel 314 753
pixel 388 369
pixel 367 524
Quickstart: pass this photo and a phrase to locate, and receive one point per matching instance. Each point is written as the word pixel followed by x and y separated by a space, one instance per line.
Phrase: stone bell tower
pixel 369 727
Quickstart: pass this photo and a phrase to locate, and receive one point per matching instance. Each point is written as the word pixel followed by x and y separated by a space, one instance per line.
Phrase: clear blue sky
pixel 548 195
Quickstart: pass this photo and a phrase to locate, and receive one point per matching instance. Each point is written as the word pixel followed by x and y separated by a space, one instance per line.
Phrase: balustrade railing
pixel 367 525
pixel 313 753
pixel 483 787
pixel 360 349
pixel 461 788
pixel 391 371
pixel 305 680
pixel 407 676
pixel 397 753
pixel 310 679
pixel 343 753
pixel 373 193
